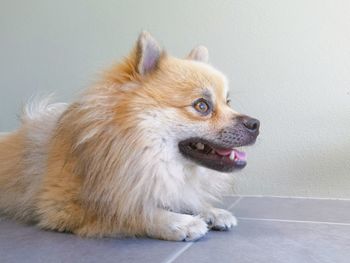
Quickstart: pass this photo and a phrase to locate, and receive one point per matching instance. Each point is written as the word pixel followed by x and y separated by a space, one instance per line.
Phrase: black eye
pixel 228 101
pixel 202 106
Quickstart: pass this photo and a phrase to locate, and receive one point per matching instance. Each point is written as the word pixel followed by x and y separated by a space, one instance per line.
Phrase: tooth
pixel 232 155
pixel 200 146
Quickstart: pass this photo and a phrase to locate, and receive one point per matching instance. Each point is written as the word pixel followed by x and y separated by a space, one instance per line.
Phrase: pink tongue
pixel 240 155
pixel 223 152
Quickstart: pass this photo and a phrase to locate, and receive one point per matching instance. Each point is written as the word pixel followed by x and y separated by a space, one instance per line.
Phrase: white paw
pixel 188 228
pixel 219 219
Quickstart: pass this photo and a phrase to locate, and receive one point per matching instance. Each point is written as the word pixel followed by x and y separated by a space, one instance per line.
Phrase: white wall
pixel 288 62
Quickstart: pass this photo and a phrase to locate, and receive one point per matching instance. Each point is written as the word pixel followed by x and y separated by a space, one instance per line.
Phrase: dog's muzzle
pixel 219 153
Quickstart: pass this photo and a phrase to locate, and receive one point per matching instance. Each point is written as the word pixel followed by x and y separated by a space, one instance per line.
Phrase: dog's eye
pixel 202 106
pixel 228 101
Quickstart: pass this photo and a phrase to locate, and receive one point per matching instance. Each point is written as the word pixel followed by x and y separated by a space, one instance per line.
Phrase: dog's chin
pixel 213 155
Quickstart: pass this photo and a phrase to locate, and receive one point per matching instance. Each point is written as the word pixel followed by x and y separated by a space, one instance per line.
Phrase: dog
pixel 145 151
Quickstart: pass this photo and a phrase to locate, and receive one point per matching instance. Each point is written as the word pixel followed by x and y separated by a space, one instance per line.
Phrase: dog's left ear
pixel 148 53
pixel 199 53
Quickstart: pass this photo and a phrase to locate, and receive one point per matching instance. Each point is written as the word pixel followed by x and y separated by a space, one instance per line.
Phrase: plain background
pixel 288 63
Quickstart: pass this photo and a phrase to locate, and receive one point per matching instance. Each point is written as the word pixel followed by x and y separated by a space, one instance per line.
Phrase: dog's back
pixel 23 156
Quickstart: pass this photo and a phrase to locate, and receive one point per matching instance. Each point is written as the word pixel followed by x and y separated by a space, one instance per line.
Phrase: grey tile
pixel 266 241
pixel 19 243
pixel 227 202
pixel 22 243
pixel 294 209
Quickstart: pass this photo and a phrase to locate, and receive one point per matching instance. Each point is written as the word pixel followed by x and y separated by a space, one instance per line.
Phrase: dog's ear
pixel 199 53
pixel 148 53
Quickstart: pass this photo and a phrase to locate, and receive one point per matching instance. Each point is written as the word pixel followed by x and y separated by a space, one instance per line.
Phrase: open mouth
pixel 213 156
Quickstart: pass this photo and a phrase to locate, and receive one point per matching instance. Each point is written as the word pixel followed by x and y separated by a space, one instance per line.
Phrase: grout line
pixel 234 203
pixel 178 253
pixel 294 197
pixel 293 221
pixel 173 257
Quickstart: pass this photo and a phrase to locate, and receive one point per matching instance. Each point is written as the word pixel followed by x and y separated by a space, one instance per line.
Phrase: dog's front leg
pixel 218 219
pixel 175 226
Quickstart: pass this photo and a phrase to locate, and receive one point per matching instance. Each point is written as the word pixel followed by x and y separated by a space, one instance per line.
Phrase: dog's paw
pixel 189 228
pixel 219 219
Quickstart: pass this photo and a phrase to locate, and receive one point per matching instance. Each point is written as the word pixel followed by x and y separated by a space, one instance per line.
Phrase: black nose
pixel 251 124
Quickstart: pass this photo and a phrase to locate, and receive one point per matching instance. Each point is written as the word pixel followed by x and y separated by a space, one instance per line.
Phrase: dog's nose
pixel 251 124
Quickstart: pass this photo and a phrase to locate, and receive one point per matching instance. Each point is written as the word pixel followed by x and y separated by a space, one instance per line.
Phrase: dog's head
pixel 188 103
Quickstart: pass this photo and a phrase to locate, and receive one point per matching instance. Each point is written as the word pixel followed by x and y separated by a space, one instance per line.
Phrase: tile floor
pixel 270 230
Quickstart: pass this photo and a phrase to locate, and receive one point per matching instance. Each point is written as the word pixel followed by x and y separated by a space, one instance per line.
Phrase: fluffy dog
pixel 144 152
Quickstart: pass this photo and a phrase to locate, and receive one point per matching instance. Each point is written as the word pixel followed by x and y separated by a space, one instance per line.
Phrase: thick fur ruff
pixel 109 164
